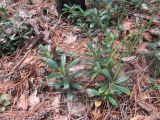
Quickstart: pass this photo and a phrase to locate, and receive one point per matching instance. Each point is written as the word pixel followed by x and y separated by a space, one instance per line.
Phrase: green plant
pixel 101 3
pixel 74 12
pixel 12 35
pixel 137 3
pixel 103 64
pixel 63 79
pixel 4 102
pixel 3 10
pixel 154 84
pixel 95 18
pixel 91 18
pixel 154 49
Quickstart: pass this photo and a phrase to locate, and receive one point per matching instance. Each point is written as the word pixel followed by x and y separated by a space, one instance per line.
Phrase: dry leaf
pixel 28 60
pixel 127 59
pixel 146 36
pixel 142 48
pixel 100 78
pixel 70 38
pixel 96 114
pixel 127 25
pixel 144 96
pixel 33 12
pixel 142 16
pixel 118 45
pixel 141 117
pixel 33 100
pixel 158 81
pixel 46 35
pixel 98 103
pixel 33 23
pixel 60 117
pixel 23 14
pixel 138 117
pixel 39 2
pixel 147 107
pixel 75 107
pixel 23 102
pixel 153 117
pixel 56 103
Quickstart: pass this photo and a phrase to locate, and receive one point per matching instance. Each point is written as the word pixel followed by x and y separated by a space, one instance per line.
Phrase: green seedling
pixel 4 102
pixel 64 79
pixel 102 63
pixel 153 84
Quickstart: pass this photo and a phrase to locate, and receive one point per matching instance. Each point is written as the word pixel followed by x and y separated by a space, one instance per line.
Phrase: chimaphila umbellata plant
pixel 62 78
pixel 102 62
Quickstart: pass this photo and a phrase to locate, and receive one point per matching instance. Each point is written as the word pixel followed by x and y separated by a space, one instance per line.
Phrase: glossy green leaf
pixel 77 74
pixel 76 86
pixel 89 61
pixel 122 80
pixel 98 66
pixel 57 85
pixel 89 54
pixel 93 92
pixel 42 48
pixel 89 45
pixel 51 63
pixel 92 25
pixel 112 100
pixel 117 72
pixel 73 54
pixel 66 84
pixel 123 89
pixel 106 92
pixel 103 13
pixel 73 63
pixel 51 76
pixel 116 91
pixel 59 50
pixel 63 60
pixel 103 17
pixel 102 89
pixel 152 81
pixel 69 95
pixel 95 11
pixel 107 74
pixel 91 11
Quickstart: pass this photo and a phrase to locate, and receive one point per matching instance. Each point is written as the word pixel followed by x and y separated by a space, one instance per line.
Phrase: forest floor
pixel 23 74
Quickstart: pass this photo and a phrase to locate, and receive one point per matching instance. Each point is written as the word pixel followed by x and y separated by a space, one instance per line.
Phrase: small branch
pixel 20 62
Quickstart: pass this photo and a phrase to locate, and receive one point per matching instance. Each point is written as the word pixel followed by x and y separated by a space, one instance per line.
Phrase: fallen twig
pixel 21 61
